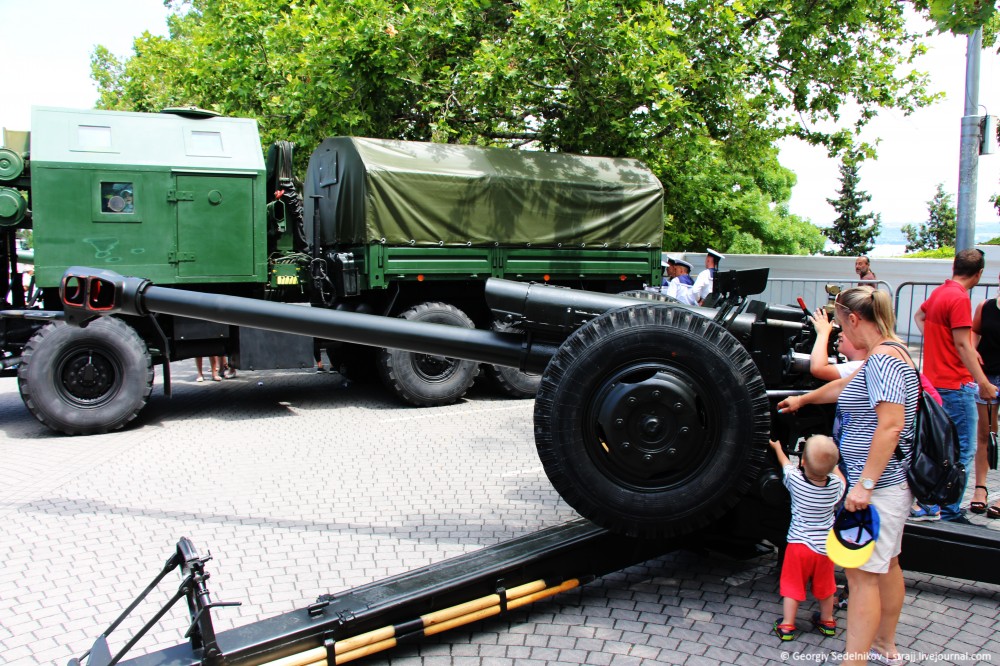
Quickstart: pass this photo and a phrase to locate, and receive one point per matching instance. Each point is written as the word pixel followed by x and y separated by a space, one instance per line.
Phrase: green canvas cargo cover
pixel 432 194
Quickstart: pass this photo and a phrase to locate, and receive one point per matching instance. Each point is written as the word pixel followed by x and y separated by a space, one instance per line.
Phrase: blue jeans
pixel 961 407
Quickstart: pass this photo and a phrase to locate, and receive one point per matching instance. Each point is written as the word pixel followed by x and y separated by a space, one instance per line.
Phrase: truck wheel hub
pixel 433 368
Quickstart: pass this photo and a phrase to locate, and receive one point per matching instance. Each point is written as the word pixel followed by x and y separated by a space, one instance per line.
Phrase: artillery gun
pixel 651 419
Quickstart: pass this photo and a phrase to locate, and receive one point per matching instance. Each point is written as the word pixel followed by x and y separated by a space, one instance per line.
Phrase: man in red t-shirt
pixel 951 363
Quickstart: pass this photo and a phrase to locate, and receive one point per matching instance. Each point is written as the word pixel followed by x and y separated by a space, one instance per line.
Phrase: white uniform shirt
pixel 703 285
pixel 682 292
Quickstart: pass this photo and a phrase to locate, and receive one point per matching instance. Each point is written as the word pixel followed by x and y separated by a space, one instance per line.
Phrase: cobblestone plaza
pixel 299 487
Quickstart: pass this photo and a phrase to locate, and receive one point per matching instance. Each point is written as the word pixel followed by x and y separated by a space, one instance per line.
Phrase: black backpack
pixel 934 470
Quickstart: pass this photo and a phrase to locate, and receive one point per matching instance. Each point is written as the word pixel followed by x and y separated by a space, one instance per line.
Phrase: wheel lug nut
pixel 619 422
pixel 656 395
pixel 632 401
pixel 625 445
pixel 678 406
pixel 685 430
pixel 647 457
pixel 671 452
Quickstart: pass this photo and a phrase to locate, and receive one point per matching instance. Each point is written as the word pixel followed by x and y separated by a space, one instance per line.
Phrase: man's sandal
pixel 980 507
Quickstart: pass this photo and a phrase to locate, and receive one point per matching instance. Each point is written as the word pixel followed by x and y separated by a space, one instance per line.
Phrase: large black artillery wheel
pixel 651 420
pixel 512 382
pixel 426 380
pixel 84 381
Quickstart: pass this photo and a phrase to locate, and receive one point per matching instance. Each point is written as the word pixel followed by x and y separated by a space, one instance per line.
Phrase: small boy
pixel 816 486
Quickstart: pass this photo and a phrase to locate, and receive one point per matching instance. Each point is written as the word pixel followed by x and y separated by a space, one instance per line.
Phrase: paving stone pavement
pixel 300 487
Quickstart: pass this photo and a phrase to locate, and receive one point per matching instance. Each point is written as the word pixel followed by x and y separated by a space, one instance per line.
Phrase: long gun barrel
pixel 552 312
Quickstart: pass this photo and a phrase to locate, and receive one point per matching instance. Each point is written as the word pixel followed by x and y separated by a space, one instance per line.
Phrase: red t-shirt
pixel 948 308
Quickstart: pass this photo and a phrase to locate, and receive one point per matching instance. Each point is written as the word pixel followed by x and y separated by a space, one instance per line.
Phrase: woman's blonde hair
pixel 871 305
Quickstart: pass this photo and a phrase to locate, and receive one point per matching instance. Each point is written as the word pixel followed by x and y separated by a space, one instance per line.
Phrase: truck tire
pixel 426 380
pixel 85 381
pixel 652 421
pixel 510 381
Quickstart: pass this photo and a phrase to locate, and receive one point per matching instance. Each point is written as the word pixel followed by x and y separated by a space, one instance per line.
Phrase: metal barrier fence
pixel 811 290
pixel 909 297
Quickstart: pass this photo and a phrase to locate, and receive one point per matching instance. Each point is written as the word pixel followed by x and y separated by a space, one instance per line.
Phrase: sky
pixel 47 63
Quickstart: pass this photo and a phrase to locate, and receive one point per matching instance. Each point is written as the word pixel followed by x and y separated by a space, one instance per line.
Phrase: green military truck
pixel 400 229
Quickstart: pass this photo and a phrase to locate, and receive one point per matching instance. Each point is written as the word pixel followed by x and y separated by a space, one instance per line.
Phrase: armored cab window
pixel 93 137
pixel 202 142
pixel 117 197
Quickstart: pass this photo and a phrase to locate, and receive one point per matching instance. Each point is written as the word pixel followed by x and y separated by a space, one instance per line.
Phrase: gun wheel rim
pixel 646 425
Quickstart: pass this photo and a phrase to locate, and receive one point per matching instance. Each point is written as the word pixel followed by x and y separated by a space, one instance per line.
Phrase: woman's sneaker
pixel 920 514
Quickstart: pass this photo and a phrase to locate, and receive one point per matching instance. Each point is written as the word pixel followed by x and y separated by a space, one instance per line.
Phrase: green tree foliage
pixel 700 90
pixel 939 231
pixel 853 231
pixel 960 17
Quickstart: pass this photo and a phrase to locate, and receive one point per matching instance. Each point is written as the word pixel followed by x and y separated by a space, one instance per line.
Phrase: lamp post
pixel 968 163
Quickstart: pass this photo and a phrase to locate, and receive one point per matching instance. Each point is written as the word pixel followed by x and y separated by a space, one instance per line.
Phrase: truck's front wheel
pixel 426 380
pixel 85 381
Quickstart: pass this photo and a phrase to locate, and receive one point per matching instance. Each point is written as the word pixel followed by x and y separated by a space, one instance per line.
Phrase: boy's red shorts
pixel 802 563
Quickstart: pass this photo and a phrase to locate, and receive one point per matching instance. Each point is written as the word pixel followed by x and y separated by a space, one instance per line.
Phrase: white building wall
pixel 909 280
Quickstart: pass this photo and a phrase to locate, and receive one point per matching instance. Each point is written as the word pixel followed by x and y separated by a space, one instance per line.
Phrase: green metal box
pixel 175 198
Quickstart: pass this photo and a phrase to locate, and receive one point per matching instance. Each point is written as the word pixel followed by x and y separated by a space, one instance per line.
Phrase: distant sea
pixel 892 243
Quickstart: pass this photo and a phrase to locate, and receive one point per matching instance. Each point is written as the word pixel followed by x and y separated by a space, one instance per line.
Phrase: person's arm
pixel 780 452
pixel 700 287
pixel 977 325
pixel 977 329
pixel 891 419
pixel 918 317
pixel 825 394
pixel 819 359
pixel 966 352
pixel 840 475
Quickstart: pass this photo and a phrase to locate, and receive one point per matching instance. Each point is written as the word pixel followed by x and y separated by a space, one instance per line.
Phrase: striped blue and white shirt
pixel 882 378
pixel 812 507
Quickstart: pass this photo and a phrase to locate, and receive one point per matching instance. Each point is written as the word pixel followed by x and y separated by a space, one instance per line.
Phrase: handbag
pixel 991 443
pixel 933 470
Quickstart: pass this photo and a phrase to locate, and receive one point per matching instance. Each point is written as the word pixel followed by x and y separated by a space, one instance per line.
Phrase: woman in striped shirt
pixel 876 408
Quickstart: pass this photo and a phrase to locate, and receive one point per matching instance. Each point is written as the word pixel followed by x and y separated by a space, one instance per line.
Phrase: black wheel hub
pixel 650 425
pixel 87 377
pixel 433 368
